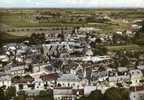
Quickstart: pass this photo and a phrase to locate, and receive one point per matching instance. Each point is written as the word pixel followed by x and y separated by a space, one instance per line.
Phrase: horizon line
pixel 71 7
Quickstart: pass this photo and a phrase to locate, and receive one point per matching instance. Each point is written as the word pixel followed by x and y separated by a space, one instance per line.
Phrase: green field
pixel 14 18
pixel 125 47
pixel 24 18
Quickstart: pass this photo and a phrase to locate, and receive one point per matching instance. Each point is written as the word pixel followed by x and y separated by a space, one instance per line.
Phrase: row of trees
pixel 10 94
pixel 37 38
pixel 139 36
pixel 110 94
pixel 43 95
pixel 128 58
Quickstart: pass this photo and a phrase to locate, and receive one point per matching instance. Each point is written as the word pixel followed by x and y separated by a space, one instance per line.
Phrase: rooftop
pixel 69 77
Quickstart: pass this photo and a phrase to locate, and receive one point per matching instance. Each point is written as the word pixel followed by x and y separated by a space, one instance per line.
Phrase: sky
pixel 71 3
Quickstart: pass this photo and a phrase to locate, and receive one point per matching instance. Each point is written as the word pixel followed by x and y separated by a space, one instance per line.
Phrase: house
pixel 22 79
pixel 96 58
pixel 63 93
pixel 69 80
pixel 15 46
pixel 23 82
pixel 141 67
pixel 75 47
pixel 136 26
pixel 130 33
pixel 39 83
pixel 136 93
pixel 78 93
pixel 5 79
pixel 4 58
pixel 31 93
pixel 67 93
pixel 89 89
pixel 121 75
pixel 62 47
pixel 49 79
pixel 18 70
pixel 101 74
pixel 136 75
pixel 89 52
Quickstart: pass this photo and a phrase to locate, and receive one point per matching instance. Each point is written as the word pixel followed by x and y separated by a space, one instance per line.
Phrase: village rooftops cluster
pixel 71 63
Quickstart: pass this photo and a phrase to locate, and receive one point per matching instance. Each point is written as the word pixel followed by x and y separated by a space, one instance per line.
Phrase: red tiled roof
pixel 52 76
pixel 137 88
pixel 23 81
pixel 62 87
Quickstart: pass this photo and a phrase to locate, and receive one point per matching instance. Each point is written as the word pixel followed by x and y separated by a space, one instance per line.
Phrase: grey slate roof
pixel 69 78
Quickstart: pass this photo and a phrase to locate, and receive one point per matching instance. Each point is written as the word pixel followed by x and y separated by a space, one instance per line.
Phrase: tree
pixel 21 93
pixel 20 97
pixel 83 98
pixel 139 36
pixel 111 94
pixel 124 61
pixel 43 93
pixel 100 50
pixel 11 92
pixel 116 94
pixel 95 95
pixel 50 94
pixel 2 94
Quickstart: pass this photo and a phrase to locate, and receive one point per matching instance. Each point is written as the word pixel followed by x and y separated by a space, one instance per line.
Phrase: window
pixel 134 96
pixel 73 84
pixel 138 72
pixel 63 84
pixel 67 98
